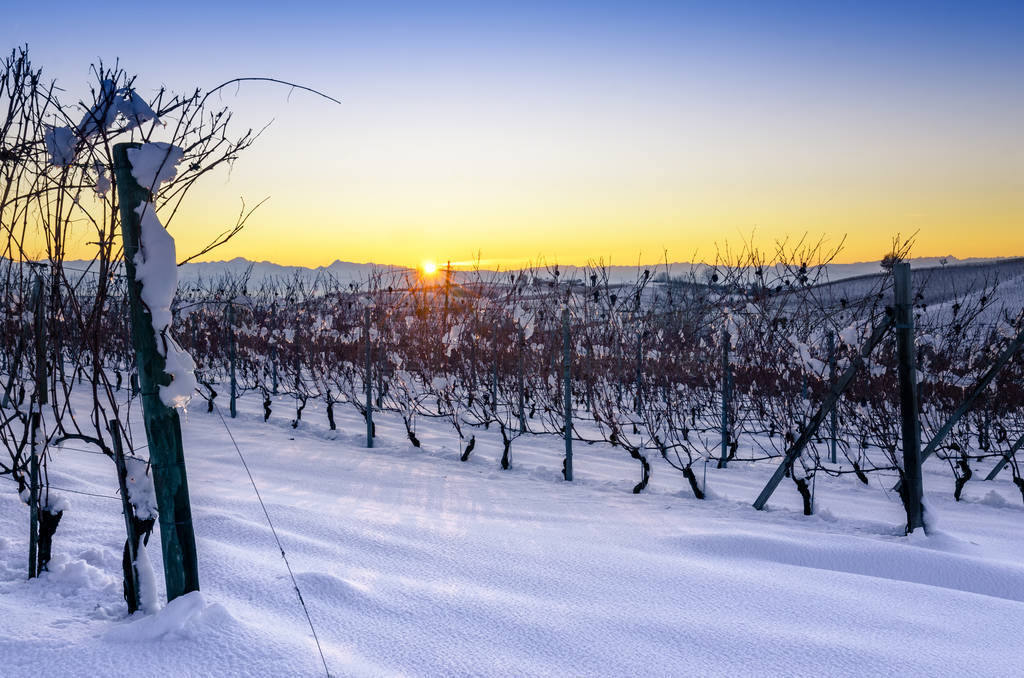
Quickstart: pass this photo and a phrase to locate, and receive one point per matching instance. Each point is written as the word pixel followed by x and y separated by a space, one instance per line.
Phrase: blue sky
pixel 575 122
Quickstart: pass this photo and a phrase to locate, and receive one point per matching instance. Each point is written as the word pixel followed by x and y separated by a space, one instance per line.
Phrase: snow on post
pixel 156 268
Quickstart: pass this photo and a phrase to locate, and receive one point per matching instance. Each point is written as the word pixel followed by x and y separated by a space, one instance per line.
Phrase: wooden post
pixel 131 572
pixel 726 378
pixel 163 428
pixel 567 391
pixel 368 377
pixel 912 491
pixel 233 353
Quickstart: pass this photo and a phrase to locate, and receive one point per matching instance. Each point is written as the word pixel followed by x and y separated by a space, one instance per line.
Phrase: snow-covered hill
pixel 942 282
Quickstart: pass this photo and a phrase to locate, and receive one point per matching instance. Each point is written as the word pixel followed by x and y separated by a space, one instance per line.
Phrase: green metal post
pixel 907 371
pixel 567 391
pixel 726 378
pixel 163 428
pixel 368 378
pixel 834 416
pixel 522 385
pixel 639 372
pixel 273 370
pixel 233 355
pixel 1005 459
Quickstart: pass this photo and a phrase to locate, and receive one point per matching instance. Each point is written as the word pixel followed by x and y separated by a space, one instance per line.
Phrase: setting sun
pixel 429 267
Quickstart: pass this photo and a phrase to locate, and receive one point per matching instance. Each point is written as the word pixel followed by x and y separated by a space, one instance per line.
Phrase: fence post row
pixel 163 428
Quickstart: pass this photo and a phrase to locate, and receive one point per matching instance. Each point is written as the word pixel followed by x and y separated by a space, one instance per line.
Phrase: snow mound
pixel 322 586
pixel 70 577
pixel 927 561
pixel 185 617
pixel 995 499
pixel 8 571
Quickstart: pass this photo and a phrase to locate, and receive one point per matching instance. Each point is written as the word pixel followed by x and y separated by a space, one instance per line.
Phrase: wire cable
pixel 291 574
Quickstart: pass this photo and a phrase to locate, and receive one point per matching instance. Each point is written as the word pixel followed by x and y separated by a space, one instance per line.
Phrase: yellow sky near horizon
pixel 563 219
pixel 616 230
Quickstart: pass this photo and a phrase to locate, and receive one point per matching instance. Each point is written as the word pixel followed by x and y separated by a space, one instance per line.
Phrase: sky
pixel 569 132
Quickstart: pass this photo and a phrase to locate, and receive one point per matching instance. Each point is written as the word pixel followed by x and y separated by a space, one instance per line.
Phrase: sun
pixel 429 267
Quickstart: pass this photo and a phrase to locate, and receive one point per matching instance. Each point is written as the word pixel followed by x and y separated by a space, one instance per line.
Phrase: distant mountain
pixel 346 272
pixel 343 271
pixel 352 272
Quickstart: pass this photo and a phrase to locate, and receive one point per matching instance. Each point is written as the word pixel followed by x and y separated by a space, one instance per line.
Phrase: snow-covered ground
pixel 412 563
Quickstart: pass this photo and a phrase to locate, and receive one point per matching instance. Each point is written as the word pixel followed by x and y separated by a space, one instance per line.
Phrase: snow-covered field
pixel 412 563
